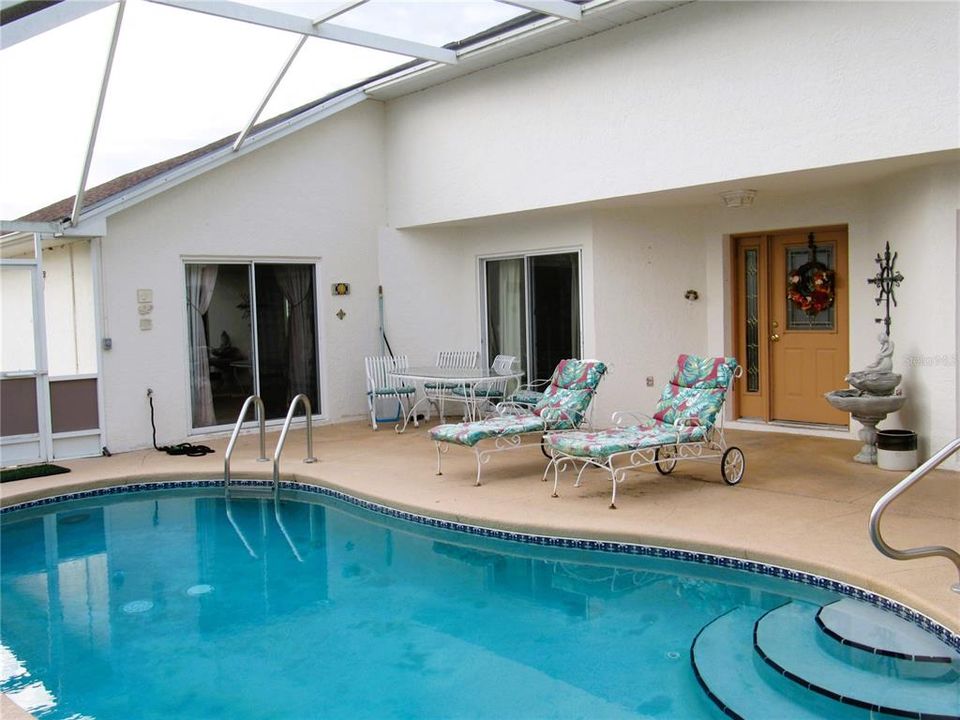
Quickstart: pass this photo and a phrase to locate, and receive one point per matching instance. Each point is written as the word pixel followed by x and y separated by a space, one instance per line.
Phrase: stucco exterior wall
pixel 645 261
pixel 916 212
pixel 432 286
pixel 702 93
pixel 317 194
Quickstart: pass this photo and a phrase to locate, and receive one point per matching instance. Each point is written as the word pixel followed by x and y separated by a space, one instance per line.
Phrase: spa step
pixel 787 639
pixel 731 673
pixel 875 631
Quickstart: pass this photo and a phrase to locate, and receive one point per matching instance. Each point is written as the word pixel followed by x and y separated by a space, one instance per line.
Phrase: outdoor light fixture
pixel 738 198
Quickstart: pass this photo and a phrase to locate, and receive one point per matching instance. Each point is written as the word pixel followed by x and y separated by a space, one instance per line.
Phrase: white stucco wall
pixel 639 262
pixel 432 286
pixel 317 194
pixel 702 93
pixel 916 212
pixel 645 261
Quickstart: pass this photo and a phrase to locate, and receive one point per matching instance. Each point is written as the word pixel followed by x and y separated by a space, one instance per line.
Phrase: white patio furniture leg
pixel 613 478
pixel 439 453
pixel 372 404
pixel 556 476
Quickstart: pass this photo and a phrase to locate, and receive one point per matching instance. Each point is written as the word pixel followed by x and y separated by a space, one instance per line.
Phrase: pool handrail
pixel 926 551
pixel 228 455
pixel 301 398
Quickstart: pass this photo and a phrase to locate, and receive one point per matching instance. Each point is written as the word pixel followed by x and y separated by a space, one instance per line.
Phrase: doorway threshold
pixel 790 427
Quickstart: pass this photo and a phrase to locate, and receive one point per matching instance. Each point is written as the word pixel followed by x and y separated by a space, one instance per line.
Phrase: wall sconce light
pixel 738 198
pixel 691 295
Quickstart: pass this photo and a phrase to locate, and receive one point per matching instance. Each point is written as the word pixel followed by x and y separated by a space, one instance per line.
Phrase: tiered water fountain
pixel 874 394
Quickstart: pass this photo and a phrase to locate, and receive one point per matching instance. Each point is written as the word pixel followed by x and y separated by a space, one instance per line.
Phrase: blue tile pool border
pixel 912 616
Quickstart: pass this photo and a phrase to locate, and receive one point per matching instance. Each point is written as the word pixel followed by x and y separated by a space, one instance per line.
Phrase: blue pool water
pixel 156 605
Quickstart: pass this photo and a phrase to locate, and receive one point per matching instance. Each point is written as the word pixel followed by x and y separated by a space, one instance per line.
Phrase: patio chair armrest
pixel 533 385
pixel 638 418
pixel 555 415
pixel 511 408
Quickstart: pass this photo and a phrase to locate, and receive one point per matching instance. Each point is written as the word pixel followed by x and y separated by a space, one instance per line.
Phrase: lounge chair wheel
pixel 732 465
pixel 665 459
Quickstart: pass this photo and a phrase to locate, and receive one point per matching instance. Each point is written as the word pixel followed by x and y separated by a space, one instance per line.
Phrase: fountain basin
pixel 868 410
pixel 865 406
pixel 874 382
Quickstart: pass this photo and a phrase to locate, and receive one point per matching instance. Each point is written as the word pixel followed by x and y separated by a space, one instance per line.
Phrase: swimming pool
pixel 155 601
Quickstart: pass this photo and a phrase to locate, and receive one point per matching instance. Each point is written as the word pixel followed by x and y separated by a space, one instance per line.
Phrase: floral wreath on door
pixel 812 287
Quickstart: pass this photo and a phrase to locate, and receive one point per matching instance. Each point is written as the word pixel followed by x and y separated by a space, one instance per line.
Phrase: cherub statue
pixel 884 361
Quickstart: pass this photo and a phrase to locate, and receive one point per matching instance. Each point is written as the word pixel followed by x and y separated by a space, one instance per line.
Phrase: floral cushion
pixel 402 390
pixel 570 391
pixel 696 390
pixel 562 407
pixel 699 372
pixel 686 404
pixel 470 433
pixel 526 397
pixel 578 374
pixel 604 443
pixel 489 392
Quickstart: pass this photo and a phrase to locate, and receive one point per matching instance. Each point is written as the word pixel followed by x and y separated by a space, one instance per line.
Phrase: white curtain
pixel 511 314
pixel 201 279
pixel 296 284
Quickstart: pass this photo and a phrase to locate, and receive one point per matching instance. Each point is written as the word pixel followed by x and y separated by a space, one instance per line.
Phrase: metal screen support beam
pixel 556 8
pixel 78 200
pixel 26 27
pixel 286 66
pixel 305 26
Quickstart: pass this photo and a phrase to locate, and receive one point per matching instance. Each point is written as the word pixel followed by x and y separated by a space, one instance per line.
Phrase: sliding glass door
pixel 251 331
pixel 532 307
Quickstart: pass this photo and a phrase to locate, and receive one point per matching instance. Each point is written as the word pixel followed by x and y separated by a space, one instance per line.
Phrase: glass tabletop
pixel 425 372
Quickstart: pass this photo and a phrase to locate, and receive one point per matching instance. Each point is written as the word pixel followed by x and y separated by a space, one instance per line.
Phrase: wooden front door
pixel 791 356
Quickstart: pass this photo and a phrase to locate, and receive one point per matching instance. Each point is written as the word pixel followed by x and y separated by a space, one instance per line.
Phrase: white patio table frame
pixel 468 377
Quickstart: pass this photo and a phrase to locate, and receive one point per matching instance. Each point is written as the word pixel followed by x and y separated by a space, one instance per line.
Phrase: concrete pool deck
pixel 803 503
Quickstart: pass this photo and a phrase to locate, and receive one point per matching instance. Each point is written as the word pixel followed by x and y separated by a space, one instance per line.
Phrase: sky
pixel 181 79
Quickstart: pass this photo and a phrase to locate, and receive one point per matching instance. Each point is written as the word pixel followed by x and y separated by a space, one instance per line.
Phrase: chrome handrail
pixel 893 494
pixel 228 455
pixel 301 398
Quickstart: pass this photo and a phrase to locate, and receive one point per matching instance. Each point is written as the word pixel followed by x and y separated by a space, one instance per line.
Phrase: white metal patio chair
pixel 565 405
pixel 440 392
pixel 687 425
pixel 380 385
pixel 485 394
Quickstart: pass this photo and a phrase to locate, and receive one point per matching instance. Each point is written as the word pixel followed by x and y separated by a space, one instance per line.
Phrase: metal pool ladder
pixel 893 494
pixel 228 456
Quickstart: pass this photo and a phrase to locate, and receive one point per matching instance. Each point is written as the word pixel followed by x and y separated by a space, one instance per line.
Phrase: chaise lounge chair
pixel 564 406
pixel 687 425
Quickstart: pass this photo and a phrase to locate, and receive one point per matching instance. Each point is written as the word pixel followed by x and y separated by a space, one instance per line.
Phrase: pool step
pixel 874 631
pixel 731 673
pixel 788 640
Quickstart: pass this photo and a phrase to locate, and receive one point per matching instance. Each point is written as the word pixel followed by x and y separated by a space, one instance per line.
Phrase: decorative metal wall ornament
pixel 886 279
pixel 811 287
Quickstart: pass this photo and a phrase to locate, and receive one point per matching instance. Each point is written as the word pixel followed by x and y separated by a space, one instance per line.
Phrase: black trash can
pixel 897 450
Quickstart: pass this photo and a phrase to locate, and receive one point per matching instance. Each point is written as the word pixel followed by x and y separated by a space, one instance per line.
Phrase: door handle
pixel 775 338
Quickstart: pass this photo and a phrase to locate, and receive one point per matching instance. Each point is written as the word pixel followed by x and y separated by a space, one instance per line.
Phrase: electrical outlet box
pixel 649 380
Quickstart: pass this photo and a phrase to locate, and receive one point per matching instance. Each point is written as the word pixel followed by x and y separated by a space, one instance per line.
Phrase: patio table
pixel 466 377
